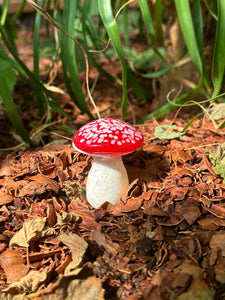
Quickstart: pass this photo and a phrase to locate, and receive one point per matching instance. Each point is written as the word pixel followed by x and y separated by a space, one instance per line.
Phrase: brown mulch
pixel 164 240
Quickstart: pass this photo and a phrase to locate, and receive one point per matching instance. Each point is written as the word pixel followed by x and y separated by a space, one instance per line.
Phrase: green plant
pixel 79 35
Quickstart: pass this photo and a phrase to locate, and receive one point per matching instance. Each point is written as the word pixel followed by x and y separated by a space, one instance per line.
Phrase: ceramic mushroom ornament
pixel 106 140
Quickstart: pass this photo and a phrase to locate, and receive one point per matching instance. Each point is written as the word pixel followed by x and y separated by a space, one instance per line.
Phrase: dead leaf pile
pixel 164 241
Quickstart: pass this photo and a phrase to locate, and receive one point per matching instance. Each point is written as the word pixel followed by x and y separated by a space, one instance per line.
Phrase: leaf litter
pixel 164 241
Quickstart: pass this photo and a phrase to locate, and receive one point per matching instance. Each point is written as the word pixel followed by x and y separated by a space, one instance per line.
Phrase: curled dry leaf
pixel 31 230
pixel 28 283
pixel 218 240
pixel 74 190
pixel 190 214
pixel 131 204
pixel 32 188
pixel 49 183
pixel 82 285
pixel 51 215
pixel 192 270
pixel 5 198
pixel 13 264
pixel 211 223
pixel 64 218
pixel 100 239
pixel 78 247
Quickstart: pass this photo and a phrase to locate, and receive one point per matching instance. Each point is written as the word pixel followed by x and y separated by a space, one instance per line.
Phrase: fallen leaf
pixel 83 286
pixel 192 270
pixel 13 264
pixel 100 239
pixel 168 132
pixel 31 230
pixel 130 204
pixel 190 214
pixel 28 283
pixel 78 247
pixel 64 218
pixel 217 158
pixel 218 240
pixel 49 183
pixel 197 295
pixel 5 198
pixel 32 188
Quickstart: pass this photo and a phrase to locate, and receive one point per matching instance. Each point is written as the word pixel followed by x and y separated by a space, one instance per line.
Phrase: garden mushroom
pixel 106 140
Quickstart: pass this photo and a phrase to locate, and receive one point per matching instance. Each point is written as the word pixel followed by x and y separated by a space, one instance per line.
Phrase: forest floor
pixel 164 241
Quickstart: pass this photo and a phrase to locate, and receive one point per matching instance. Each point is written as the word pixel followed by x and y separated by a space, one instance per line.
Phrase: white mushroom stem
pixel 107 181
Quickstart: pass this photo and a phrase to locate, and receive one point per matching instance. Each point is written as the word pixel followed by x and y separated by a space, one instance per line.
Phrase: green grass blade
pixel 198 27
pixel 19 10
pixel 148 20
pixel 186 24
pixel 68 56
pixel 37 86
pixel 4 12
pixel 210 10
pixel 219 53
pixel 110 24
pixel 136 86
pixel 36 45
pixel 36 42
pixel 158 23
pixel 168 107
pixel 124 25
pixel 192 120
pixel 6 77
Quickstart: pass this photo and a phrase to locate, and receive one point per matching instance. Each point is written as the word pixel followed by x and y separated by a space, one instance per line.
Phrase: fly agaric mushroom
pixel 106 140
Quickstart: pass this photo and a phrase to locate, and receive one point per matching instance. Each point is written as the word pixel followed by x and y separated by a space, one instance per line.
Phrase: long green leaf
pixel 198 27
pixel 4 12
pixel 158 22
pixel 186 23
pixel 219 53
pixel 7 76
pixel 168 107
pixel 36 44
pixel 110 24
pixel 148 20
pixel 68 55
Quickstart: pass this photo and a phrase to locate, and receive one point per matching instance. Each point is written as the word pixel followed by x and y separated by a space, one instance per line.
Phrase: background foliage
pixel 82 31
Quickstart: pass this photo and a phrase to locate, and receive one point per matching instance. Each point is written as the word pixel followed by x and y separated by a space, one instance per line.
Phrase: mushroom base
pixel 107 181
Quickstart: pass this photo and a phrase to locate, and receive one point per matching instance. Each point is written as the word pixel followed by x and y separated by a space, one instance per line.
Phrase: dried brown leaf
pixel 5 198
pixel 100 239
pixel 64 218
pixel 13 264
pixel 49 183
pixel 31 230
pixel 217 210
pixel 154 148
pixel 28 283
pixel 192 270
pixel 32 189
pixel 190 214
pixel 211 223
pixel 78 247
pixel 82 286
pixel 131 204
pixel 218 240
pixel 220 274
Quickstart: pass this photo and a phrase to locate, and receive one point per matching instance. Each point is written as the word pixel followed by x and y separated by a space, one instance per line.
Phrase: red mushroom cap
pixel 107 137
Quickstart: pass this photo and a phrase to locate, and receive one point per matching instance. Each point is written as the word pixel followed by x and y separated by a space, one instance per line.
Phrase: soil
pixel 165 240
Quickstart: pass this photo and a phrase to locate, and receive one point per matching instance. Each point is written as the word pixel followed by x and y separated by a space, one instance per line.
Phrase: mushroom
pixel 106 140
